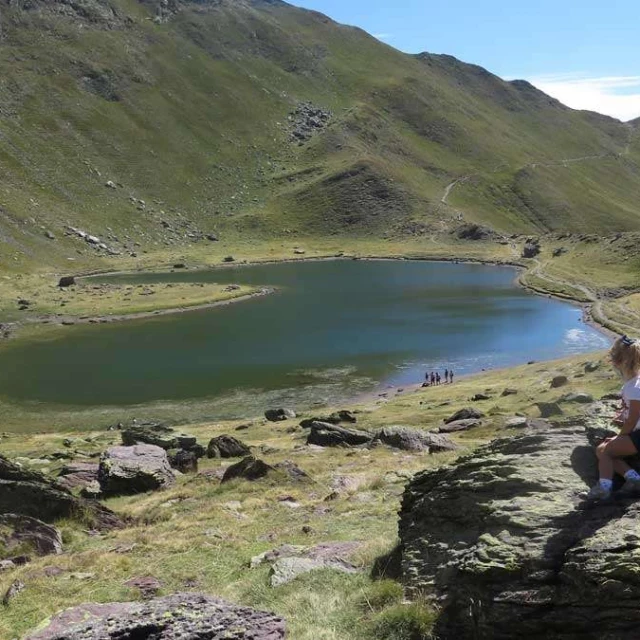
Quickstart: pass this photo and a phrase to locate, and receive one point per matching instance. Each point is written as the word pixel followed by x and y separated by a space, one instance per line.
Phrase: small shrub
pixel 404 622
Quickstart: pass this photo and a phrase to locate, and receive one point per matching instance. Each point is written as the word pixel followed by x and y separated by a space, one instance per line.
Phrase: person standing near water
pixel 438 378
pixel 451 377
pixel 433 378
pixel 446 376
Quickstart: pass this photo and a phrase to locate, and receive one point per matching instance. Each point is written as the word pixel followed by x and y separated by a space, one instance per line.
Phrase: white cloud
pixel 382 36
pixel 617 96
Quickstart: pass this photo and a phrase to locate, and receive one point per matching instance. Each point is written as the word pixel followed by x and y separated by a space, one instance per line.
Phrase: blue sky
pixel 585 53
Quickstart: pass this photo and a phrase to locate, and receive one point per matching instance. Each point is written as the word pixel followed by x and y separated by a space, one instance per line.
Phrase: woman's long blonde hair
pixel 625 356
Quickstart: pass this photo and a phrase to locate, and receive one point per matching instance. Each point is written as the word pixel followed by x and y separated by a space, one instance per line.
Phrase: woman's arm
pixel 632 419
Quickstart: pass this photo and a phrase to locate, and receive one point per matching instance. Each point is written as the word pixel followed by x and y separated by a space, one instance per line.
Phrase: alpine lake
pixel 331 331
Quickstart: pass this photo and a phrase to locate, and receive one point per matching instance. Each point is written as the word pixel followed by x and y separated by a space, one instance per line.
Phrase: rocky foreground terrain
pixel 285 526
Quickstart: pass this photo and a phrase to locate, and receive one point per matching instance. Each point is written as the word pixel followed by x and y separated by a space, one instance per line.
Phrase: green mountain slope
pixel 192 113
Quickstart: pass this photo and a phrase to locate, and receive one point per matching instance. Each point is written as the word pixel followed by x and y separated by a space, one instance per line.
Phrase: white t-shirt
pixel 630 391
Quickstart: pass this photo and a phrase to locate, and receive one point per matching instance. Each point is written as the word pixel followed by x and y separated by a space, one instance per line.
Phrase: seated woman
pixel 625 357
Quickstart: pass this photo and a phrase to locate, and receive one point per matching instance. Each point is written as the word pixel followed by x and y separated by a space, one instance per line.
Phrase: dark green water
pixel 334 329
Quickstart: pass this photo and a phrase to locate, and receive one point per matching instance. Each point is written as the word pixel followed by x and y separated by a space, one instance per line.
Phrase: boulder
pixel 479 397
pixel 578 398
pixel 137 469
pixel 183 461
pixel 414 440
pixel 465 414
pixel 278 415
pixel 249 468
pixel 531 249
pixel 66 281
pixel 331 435
pixel 509 392
pixel 252 468
pixel 549 409
pixel 227 447
pixel 188 616
pixel 591 367
pixel 17 530
pixel 559 381
pixel 32 494
pixel 502 541
pixel 460 425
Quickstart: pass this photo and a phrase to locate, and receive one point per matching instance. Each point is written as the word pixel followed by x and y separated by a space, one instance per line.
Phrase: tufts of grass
pixel 413 621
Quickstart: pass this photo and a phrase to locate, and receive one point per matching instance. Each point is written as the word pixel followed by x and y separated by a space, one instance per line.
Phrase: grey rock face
pixel 324 434
pixel 227 447
pixel 506 542
pixel 32 494
pixel 137 469
pixel 414 440
pixel 178 617
pixel 18 529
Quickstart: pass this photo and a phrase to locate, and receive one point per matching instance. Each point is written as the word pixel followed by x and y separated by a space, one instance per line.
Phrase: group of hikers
pixel 433 378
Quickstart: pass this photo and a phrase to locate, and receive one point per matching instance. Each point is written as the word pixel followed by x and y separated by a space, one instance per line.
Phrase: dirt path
pixel 451 187
pixel 594 307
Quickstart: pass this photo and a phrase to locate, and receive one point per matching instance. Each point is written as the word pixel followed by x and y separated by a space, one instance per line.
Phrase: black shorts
pixel 635 438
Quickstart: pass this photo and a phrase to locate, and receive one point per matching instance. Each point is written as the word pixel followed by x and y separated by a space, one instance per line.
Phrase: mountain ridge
pixel 191 109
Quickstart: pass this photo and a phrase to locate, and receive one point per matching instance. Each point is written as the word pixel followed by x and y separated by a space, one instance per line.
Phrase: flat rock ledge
pixel 508 547
pixel 177 617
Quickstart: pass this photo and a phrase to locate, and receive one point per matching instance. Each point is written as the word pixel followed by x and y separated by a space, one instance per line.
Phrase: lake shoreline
pixel 521 268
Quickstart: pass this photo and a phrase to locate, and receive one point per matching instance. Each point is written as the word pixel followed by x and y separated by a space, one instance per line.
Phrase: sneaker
pixel 598 493
pixel 630 488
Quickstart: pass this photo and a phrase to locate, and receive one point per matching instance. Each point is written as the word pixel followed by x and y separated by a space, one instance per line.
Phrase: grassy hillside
pixel 189 112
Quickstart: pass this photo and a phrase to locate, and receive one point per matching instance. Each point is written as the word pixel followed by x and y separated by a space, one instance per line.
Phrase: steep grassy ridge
pixel 186 106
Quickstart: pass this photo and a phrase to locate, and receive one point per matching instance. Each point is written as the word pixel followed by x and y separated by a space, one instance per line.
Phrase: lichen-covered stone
pixel 330 435
pixel 225 446
pixel 415 440
pixel 185 616
pixel 505 540
pixel 137 469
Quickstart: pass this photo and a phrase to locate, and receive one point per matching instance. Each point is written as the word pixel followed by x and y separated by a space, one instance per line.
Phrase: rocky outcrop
pixel 32 494
pixel 78 475
pixel 227 447
pixel 507 545
pixel 17 531
pixel 161 436
pixel 465 414
pixel 186 616
pixel 531 248
pixel 330 435
pixel 137 469
pixel 414 440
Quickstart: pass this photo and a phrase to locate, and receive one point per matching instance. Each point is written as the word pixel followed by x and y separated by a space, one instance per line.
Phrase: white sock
pixel 632 474
pixel 606 484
